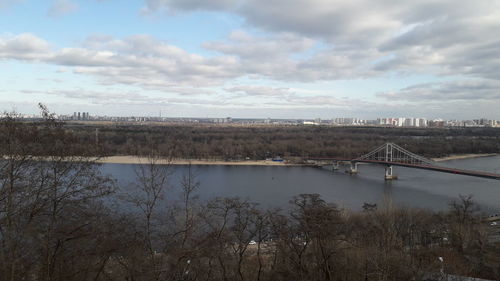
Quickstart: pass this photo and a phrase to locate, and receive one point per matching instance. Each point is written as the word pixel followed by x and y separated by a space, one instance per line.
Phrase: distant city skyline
pixel 252 58
pixel 336 121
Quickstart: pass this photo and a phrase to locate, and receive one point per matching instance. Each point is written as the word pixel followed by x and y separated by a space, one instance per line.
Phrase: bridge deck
pixel 421 166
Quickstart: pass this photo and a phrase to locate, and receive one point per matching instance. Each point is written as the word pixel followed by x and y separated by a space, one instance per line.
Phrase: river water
pixel 275 186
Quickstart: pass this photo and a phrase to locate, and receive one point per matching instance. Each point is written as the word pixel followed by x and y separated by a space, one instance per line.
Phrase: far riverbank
pixel 128 159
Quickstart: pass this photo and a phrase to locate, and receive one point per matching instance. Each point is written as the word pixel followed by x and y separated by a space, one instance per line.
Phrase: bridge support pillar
pixel 389 173
pixel 335 166
pixel 354 168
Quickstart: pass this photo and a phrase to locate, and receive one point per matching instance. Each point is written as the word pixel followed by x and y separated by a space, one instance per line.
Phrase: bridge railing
pixel 391 152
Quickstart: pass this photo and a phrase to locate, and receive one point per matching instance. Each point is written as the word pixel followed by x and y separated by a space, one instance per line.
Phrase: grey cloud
pixel 155 5
pixel 4 4
pixel 287 97
pixel 289 57
pixel 130 98
pixel 319 101
pixel 244 45
pixel 61 8
pixel 334 20
pixel 260 91
pixel 341 22
pixel 270 97
pixel 188 91
pixel 93 96
pixel 432 37
pixel 370 23
pixel 448 46
pixel 471 90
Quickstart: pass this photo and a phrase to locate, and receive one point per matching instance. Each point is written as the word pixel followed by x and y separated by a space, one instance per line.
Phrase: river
pixel 274 186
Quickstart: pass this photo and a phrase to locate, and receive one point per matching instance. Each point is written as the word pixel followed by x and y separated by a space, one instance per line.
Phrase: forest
pixel 57 222
pixel 226 142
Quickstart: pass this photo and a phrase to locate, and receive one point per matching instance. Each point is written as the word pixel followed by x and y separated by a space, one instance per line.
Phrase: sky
pixel 252 58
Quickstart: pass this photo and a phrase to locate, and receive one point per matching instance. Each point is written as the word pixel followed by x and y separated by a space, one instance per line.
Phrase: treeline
pixel 236 143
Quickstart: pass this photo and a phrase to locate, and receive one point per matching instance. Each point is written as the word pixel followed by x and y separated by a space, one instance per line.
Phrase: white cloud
pixel 24 46
pixel 137 60
pixel 144 61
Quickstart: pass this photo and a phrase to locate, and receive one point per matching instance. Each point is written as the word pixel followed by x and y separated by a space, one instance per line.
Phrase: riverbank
pixel 463 156
pixel 144 160
pixel 128 159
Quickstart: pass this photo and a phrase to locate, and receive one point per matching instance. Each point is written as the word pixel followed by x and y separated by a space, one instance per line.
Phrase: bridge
pixel 391 154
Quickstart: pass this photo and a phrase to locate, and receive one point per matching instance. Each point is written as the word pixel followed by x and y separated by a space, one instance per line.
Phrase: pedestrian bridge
pixel 391 154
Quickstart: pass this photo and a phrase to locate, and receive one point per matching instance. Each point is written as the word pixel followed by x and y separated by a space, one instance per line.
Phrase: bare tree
pixel 50 187
pixel 148 195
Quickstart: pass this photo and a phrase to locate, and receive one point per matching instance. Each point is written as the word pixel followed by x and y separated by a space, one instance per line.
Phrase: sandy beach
pixel 463 156
pixel 144 160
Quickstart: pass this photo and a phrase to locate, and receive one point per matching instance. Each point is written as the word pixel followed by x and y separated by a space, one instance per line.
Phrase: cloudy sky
pixel 252 58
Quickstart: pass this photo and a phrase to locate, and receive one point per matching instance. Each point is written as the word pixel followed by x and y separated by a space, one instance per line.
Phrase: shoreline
pixel 463 156
pixel 129 159
pixel 144 160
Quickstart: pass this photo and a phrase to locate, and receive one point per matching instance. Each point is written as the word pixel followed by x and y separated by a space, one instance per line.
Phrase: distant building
pixel 79 116
pixel 348 121
pixel 437 123
pixel 402 122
